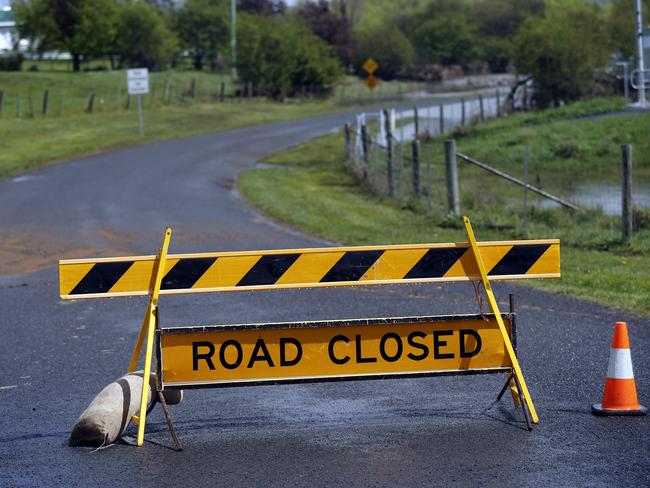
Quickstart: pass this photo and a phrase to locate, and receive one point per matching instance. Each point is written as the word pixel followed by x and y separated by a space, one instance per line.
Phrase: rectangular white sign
pixel 138 81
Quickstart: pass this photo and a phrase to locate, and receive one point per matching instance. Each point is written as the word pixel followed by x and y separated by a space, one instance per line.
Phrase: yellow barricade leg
pixel 494 308
pixel 149 325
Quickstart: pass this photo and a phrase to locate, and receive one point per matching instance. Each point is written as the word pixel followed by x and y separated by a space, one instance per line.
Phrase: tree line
pixel 560 44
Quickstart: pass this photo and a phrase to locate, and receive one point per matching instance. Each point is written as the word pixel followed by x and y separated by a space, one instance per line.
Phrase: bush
pixel 144 40
pixel 11 62
pixel 561 52
pixel 280 57
pixel 388 46
pixel 446 41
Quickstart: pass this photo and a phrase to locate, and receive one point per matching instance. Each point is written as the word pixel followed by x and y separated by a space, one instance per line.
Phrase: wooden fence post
pixel 165 95
pixel 364 147
pixel 416 168
pixel 453 198
pixel 389 152
pixel 462 117
pixel 481 107
pixel 46 97
pixel 2 102
pixel 90 102
pixel 346 133
pixel 498 98
pixel 442 119
pixel 222 91
pixel 416 123
pixel 626 160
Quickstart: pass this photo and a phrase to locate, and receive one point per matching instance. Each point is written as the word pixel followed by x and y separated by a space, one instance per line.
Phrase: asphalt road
pixel 55 356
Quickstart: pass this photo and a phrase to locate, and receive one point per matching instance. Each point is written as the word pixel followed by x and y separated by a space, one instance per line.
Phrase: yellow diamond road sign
pixel 370 66
pixel 371 82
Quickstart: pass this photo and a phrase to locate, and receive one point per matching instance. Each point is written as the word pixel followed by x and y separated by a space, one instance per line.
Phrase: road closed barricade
pixel 332 350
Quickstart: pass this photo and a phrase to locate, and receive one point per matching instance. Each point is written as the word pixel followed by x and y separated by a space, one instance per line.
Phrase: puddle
pixel 604 196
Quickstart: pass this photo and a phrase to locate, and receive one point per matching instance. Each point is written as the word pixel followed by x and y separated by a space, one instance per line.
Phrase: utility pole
pixel 639 35
pixel 233 37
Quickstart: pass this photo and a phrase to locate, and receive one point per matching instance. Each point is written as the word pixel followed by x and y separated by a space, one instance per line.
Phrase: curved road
pixel 55 356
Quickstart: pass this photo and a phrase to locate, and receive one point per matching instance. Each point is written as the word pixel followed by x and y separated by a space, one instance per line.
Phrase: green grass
pixel 312 189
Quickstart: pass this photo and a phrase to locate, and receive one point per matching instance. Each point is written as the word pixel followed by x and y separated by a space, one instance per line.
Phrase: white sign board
pixel 138 81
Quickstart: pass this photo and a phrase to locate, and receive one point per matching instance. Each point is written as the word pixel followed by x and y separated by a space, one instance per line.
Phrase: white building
pixel 8 34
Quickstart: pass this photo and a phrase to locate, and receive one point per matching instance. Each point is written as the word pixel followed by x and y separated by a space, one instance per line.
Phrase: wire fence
pixel 392 153
pixel 110 95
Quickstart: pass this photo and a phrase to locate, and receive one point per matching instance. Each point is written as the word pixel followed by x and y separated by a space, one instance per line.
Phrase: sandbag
pixel 109 414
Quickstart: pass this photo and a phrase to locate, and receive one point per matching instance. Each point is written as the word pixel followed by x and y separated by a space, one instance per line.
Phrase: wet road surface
pixel 55 356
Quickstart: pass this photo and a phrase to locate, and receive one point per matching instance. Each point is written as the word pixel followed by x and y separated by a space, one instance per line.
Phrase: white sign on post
pixel 138 81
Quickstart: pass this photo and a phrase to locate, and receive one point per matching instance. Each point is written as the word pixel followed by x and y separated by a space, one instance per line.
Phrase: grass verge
pixel 312 189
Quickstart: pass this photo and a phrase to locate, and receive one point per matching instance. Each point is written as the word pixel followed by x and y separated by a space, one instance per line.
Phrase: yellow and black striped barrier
pixel 320 351
pixel 298 268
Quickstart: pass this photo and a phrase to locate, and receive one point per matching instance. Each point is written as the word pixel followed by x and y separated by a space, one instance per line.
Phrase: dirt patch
pixel 27 252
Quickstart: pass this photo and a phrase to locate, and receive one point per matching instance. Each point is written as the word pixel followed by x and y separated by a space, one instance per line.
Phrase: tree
pixel 561 51
pixel 446 40
pixel 81 27
pixel 144 40
pixel 497 22
pixel 621 24
pixel 280 56
pixel 333 29
pixel 202 30
pixel 386 45
pixel 262 7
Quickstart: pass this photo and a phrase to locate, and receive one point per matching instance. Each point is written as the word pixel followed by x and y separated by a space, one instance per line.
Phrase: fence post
pixel 30 105
pixel 428 157
pixel 152 95
pixel 2 101
pixel 442 119
pixel 46 97
pixel 389 151
pixel 498 98
pixel 462 117
pixel 417 122
pixel 193 88
pixel 525 101
pixel 481 107
pixel 249 89
pixel 19 107
pixel 364 147
pixel 90 102
pixel 165 94
pixel 626 160
pixel 416 168
pixel 222 91
pixel 526 156
pixel 346 149
pixel 453 199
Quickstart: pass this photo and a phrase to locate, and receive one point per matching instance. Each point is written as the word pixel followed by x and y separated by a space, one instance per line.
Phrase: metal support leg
pixel 168 417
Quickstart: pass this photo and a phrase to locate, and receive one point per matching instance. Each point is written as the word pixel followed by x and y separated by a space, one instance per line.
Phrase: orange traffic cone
pixel 619 397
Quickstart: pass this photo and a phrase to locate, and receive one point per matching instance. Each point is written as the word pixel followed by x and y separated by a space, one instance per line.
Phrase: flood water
pixel 606 196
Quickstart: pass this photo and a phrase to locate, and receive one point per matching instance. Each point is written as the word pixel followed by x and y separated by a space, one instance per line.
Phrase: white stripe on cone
pixel 620 364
